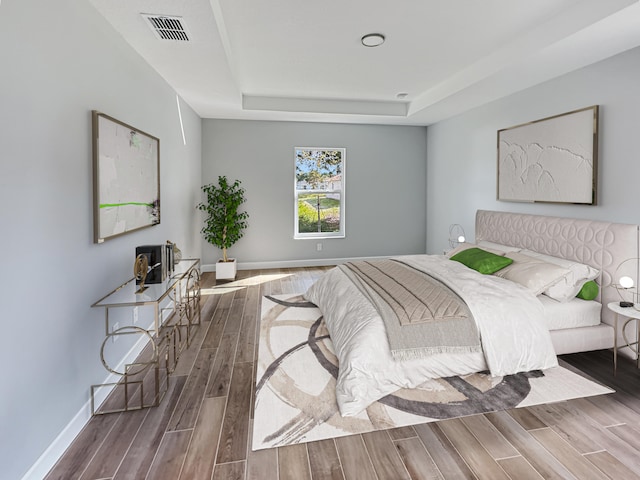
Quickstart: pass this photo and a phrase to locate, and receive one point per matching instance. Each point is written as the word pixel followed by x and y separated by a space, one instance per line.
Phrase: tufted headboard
pixel 603 245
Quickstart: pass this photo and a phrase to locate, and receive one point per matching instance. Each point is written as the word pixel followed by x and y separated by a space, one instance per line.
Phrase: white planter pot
pixel 226 270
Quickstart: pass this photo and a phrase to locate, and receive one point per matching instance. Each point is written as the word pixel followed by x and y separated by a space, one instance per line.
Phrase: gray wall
pixel 461 167
pixel 54 75
pixel 385 178
pixel 59 60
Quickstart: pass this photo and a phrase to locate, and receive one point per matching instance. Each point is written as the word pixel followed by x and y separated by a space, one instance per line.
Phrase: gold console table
pixel 176 309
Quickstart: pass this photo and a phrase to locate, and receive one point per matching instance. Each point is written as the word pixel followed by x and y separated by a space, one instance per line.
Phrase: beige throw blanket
pixel 422 316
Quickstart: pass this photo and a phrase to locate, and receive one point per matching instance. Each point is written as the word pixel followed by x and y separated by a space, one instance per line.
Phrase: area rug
pixel 296 378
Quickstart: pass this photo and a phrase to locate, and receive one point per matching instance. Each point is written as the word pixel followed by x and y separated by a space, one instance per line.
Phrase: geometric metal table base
pixel 144 382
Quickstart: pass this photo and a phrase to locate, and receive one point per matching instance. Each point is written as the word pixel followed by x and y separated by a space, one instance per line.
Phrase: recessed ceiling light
pixel 372 40
pixel 402 95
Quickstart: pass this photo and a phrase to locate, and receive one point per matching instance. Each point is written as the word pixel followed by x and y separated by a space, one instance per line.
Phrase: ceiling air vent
pixel 167 28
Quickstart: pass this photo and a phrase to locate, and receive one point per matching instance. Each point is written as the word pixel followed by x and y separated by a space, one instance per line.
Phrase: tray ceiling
pixel 304 61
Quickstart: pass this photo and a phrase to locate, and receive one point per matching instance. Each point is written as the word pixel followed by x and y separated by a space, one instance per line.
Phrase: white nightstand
pixel 631 313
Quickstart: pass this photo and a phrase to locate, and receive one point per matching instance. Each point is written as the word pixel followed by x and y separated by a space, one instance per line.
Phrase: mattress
pixel 573 314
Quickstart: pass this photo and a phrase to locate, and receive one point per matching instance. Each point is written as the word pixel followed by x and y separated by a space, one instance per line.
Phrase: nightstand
pixel 631 314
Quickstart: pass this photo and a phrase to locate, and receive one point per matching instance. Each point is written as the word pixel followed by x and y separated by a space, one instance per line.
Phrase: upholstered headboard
pixel 603 245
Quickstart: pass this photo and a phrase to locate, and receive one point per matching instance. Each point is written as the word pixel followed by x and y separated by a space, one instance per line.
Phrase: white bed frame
pixel 602 245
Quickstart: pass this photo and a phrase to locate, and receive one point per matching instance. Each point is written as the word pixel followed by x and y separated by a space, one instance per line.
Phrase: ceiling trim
pixel 321 105
pixel 573 20
pixel 224 39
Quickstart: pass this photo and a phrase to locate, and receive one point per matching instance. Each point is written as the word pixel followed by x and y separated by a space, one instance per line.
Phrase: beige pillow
pixel 485 245
pixel 566 289
pixel 532 273
pixel 466 246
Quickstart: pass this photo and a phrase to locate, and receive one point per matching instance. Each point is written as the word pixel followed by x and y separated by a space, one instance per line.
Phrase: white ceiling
pixel 303 61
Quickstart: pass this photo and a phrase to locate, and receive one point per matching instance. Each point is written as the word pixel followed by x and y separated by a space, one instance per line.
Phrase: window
pixel 319 192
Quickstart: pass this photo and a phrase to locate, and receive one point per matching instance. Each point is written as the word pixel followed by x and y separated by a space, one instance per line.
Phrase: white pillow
pixel 466 246
pixel 532 273
pixel 568 288
pixel 496 246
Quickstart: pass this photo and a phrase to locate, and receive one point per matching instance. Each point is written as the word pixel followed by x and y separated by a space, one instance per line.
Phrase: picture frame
pixel 551 160
pixel 126 178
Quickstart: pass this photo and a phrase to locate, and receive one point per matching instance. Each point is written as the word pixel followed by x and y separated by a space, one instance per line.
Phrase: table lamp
pixel 456 235
pixel 625 277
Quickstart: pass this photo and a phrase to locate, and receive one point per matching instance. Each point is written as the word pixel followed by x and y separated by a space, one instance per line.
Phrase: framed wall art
pixel 550 160
pixel 126 178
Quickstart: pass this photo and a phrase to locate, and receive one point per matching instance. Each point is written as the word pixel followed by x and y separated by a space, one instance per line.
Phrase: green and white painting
pixel 126 178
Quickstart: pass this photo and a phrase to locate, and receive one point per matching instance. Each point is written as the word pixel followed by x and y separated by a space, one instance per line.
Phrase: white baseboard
pixel 54 451
pixel 52 454
pixel 293 263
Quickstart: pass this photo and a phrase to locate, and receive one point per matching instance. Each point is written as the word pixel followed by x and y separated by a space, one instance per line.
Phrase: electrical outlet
pixel 116 326
pixel 135 315
pixel 319 246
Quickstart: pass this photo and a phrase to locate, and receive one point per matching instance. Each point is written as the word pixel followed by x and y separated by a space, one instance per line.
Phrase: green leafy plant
pixel 224 224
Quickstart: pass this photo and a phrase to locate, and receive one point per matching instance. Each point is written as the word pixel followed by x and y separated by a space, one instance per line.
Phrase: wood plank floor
pixel 201 430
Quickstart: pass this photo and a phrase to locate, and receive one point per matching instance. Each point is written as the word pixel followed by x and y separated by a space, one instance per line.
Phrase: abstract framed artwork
pixel 550 160
pixel 126 178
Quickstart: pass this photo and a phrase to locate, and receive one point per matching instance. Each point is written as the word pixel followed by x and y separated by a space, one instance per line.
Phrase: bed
pixel 603 245
pixel 515 330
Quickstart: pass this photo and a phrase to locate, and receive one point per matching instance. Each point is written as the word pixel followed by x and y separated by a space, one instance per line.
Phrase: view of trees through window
pixel 319 192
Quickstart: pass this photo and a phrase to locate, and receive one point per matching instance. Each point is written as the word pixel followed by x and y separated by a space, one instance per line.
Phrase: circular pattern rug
pixel 296 380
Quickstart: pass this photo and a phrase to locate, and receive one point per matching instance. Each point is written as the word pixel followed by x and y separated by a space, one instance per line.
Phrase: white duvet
pixel 510 320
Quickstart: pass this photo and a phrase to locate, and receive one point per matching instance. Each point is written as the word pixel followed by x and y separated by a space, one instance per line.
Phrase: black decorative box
pixel 158 264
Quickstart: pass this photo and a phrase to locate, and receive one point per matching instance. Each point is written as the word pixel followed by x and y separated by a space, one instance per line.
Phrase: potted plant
pixel 224 224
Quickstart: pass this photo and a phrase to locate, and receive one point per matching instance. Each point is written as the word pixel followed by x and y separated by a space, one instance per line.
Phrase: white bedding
pixel 574 314
pixel 510 320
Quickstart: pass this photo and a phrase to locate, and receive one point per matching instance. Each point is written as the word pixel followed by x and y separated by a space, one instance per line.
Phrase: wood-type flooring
pixel 202 428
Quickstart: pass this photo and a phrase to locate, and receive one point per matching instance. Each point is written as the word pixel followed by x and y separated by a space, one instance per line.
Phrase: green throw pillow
pixel 481 260
pixel 589 291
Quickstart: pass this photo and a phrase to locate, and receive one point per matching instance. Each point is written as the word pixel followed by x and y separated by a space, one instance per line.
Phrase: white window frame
pixel 319 235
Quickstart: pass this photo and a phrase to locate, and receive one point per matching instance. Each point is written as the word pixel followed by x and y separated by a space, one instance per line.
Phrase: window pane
pixel 319 192
pixel 318 169
pixel 318 212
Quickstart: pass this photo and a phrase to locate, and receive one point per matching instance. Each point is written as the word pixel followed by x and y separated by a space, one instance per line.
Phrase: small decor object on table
pixel 140 268
pixel 224 224
pixel 177 253
pixel 158 266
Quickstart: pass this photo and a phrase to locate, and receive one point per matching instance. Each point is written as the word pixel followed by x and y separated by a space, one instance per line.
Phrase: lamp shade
pixel 626 282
